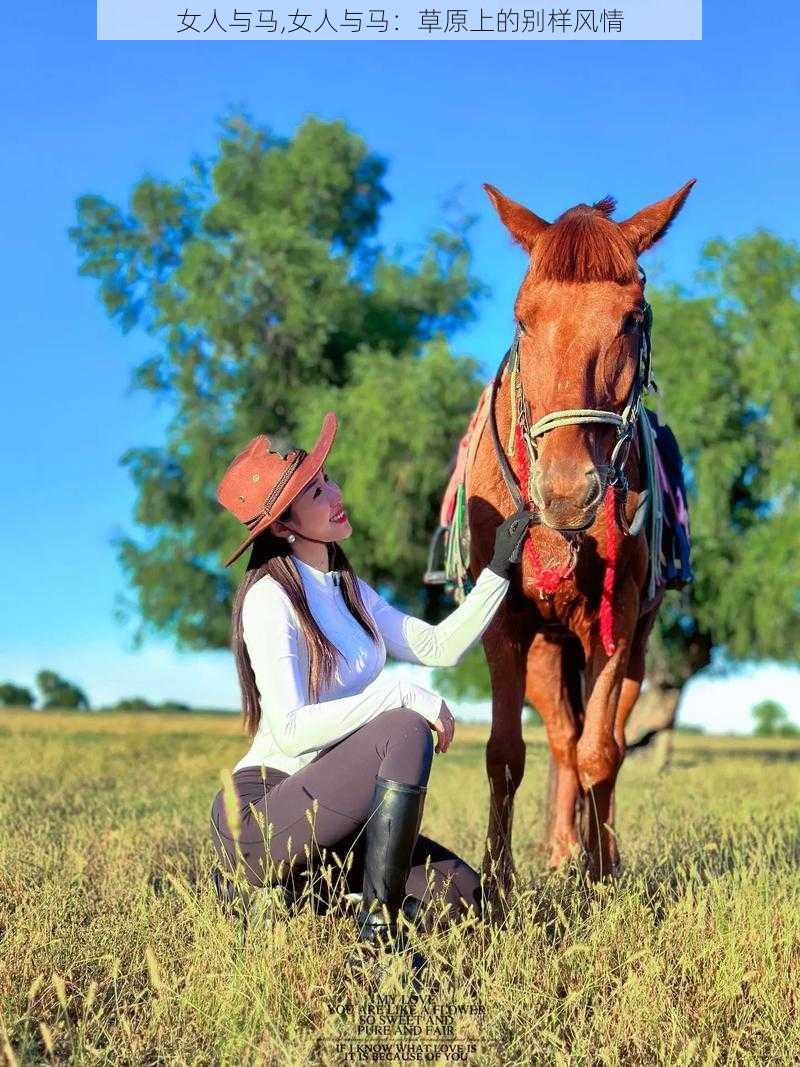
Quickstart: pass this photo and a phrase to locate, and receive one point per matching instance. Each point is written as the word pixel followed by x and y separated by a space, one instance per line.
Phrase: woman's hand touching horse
pixel 508 540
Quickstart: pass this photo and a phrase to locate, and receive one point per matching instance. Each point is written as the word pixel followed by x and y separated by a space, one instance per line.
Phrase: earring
pixel 291 539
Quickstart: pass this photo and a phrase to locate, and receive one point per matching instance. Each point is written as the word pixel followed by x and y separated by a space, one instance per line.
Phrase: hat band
pixel 277 489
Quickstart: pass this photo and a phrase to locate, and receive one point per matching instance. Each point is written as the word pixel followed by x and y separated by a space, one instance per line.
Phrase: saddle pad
pixel 476 423
pixel 675 567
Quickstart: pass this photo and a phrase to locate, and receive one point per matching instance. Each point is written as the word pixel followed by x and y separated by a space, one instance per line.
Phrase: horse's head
pixel 579 312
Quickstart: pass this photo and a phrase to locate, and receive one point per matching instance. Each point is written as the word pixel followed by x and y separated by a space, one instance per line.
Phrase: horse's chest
pixel 561 614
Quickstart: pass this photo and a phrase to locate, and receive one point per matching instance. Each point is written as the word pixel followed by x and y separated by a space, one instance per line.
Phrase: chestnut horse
pixel 572 631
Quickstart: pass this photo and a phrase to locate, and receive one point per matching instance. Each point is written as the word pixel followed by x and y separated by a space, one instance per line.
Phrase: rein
pixel 523 444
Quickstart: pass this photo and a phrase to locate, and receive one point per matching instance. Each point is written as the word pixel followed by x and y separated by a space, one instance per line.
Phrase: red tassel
pixel 521 459
pixel 547 579
pixel 610 574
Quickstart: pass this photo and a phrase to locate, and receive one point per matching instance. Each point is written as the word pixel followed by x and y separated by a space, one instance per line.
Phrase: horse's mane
pixel 585 245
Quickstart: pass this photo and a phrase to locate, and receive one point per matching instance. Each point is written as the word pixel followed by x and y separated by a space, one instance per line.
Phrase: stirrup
pixel 431 575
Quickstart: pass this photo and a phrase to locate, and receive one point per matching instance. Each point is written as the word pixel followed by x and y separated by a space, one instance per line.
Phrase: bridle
pixel 626 422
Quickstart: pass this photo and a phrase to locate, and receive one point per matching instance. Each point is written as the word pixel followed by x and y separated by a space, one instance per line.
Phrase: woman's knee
pixel 409 726
pixel 408 749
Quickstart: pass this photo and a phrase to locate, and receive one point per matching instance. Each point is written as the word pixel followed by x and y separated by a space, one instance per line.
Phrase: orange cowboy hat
pixel 261 483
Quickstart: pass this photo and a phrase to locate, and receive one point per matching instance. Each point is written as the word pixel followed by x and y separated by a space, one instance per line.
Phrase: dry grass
pixel 112 948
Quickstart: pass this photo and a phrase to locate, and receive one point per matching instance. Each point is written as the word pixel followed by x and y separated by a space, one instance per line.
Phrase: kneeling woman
pixel 310 640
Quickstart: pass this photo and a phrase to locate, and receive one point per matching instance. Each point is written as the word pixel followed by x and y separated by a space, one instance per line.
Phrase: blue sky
pixel 551 125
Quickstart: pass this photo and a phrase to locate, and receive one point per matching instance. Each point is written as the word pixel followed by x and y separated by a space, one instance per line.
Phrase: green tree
pixel 269 299
pixel 141 704
pixel 15 696
pixel 391 456
pixel 468 680
pixel 728 364
pixel 772 720
pixel 131 704
pixel 57 692
pixel 260 280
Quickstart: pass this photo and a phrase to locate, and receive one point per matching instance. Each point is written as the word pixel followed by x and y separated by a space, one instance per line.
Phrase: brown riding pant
pixel 274 807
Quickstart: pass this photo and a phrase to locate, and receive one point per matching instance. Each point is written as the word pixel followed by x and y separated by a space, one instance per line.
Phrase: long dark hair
pixel 272 555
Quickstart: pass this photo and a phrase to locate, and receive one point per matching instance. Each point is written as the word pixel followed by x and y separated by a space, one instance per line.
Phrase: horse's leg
pixel 505 751
pixel 547 689
pixel 599 753
pixel 629 694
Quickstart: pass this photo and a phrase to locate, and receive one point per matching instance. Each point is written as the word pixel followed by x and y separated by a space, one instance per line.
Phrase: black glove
pixel 508 542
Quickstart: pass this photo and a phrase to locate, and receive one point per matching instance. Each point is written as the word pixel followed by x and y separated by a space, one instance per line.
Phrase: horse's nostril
pixel 594 488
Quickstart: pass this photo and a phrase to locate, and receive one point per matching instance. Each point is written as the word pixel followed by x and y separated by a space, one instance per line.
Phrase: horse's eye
pixel 521 325
pixel 633 320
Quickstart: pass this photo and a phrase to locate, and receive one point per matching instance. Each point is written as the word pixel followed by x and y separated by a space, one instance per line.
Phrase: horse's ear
pixel 651 223
pixel 522 224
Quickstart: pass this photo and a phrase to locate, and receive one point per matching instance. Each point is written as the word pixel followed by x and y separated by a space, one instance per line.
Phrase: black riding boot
pixel 390 834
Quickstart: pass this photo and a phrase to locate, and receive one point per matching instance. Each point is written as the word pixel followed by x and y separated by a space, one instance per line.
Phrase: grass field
pixel 112 948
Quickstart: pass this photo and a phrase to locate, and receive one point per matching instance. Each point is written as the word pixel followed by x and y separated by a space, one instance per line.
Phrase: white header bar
pixel 405 20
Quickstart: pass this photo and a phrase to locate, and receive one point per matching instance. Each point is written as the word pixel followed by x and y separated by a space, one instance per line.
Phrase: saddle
pixel 665 515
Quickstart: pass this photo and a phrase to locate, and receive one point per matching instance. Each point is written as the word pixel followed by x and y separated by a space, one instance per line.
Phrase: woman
pixel 309 638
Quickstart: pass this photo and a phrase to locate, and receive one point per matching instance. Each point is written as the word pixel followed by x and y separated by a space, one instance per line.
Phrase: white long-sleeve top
pixel 291 731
